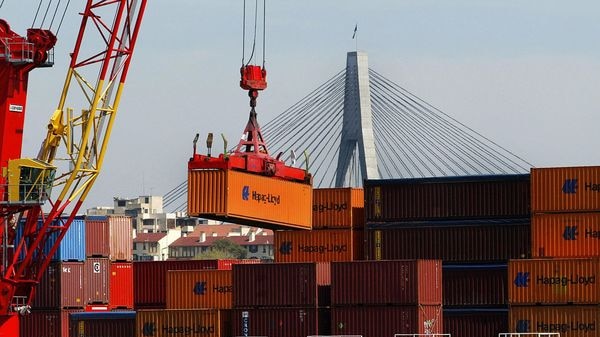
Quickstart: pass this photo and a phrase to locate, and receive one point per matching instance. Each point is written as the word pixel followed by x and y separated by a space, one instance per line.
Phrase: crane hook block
pixel 253 78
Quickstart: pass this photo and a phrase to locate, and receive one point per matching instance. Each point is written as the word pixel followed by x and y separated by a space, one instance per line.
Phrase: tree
pixel 224 249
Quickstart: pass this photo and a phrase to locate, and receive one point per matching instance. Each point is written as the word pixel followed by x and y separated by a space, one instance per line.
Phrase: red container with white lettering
pixel 61 287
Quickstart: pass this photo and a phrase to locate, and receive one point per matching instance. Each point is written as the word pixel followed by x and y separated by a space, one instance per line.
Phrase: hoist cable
pixel 54 15
pixel 255 27
pixel 63 17
pixel 264 30
pixel 244 33
pixel 36 14
pixel 46 13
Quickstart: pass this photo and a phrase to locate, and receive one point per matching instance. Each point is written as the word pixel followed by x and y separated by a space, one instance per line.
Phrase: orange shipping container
pixel 553 281
pixel 568 321
pixel 565 235
pixel 338 208
pixel 192 289
pixel 565 189
pixel 250 199
pixel 325 245
pixel 191 323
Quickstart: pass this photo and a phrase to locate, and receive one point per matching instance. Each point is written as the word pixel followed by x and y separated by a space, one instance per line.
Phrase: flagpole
pixel 355 36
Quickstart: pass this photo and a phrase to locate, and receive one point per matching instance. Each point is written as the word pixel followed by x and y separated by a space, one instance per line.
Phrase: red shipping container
pixel 565 189
pixel 121 285
pixel 45 323
pixel 96 281
pixel 109 236
pixel 477 243
pixel 565 235
pixel 473 197
pixel 226 264
pixel 61 287
pixel 113 324
pixel 275 285
pixel 567 320
pixel 553 281
pixel 280 322
pixel 475 323
pixel 150 279
pixel 338 208
pixel 371 321
pixel 475 285
pixel 399 282
pixel 325 245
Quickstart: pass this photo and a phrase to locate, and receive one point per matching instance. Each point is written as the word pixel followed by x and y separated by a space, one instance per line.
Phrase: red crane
pixel 72 153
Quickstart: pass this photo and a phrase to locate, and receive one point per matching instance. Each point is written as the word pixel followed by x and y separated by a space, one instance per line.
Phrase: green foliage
pixel 224 249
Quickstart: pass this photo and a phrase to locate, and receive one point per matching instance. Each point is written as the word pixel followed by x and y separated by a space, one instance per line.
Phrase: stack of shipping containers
pixel 473 224
pixel 557 290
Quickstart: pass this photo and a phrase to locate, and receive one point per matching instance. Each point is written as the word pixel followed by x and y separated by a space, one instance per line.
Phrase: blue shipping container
pixel 72 246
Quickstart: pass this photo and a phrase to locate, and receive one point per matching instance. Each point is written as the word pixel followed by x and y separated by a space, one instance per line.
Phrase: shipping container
pixel 553 281
pixel 472 197
pixel 150 279
pixel 226 264
pixel 378 321
pixel 45 323
pixel 191 323
pixel 398 282
pixel 567 320
pixel 338 208
pixel 475 322
pixel 61 287
pixel 280 322
pixel 324 245
pixel 71 247
pixel 565 235
pixel 565 189
pixel 191 289
pixel 121 285
pixel 487 242
pixel 475 285
pixel 96 280
pixel 109 236
pixel 275 285
pixel 110 324
pixel 249 199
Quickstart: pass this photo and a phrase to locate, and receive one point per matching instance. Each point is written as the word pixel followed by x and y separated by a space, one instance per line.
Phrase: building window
pixel 121 203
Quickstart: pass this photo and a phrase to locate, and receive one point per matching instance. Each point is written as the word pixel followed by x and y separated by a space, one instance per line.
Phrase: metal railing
pixel 29 194
pixel 22 52
pixel 529 334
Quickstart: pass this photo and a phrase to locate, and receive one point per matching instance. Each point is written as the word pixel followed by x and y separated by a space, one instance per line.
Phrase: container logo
pixel 245 323
pixel 322 249
pixel 570 233
pixel 200 288
pixel 523 325
pixel 149 329
pixel 565 327
pixel 245 192
pixel 570 186
pixel 564 281
pixel 330 207
pixel 522 279
pixel 96 267
pixel 188 330
pixel 264 198
pixel 285 248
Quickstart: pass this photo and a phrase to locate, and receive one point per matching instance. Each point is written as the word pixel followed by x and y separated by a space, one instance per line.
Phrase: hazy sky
pixel 524 73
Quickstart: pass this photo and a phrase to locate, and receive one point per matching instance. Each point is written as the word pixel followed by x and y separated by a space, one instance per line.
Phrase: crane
pixel 71 155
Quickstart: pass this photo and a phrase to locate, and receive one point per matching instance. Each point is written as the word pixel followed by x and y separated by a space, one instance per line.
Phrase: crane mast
pixel 71 155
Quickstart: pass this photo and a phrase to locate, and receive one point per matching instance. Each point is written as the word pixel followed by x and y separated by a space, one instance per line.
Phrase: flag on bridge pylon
pixel 354 34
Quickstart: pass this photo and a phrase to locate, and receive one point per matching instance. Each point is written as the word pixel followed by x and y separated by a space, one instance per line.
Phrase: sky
pixel 525 74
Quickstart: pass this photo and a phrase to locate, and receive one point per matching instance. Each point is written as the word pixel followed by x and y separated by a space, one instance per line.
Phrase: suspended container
pixel 190 323
pixel 193 289
pixel 61 287
pixel 399 282
pixel 324 245
pixel 109 236
pixel 553 281
pixel 249 199
pixel 475 286
pixel 472 197
pixel 565 235
pixel 568 320
pixel 565 189
pixel 335 208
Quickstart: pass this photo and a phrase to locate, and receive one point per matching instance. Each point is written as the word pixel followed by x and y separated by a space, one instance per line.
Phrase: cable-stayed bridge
pixel 361 125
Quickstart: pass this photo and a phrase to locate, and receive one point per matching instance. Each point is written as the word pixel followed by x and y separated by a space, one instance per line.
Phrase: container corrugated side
pixel 324 245
pixel 96 279
pixel 97 237
pixel 567 320
pixel 475 323
pixel 251 199
pixel 121 285
pixel 275 285
pixel 496 196
pixel 398 282
pixel 468 244
pixel 284 322
pixel 192 289
pixel 45 323
pixel 475 285
pixel 565 235
pixel 226 264
pixel 101 327
pixel 150 279
pixel 61 287
pixel 338 208
pixel 565 189
pixel 121 238
pixel 71 247
pixel 377 321
pixel 553 281
pixel 191 323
